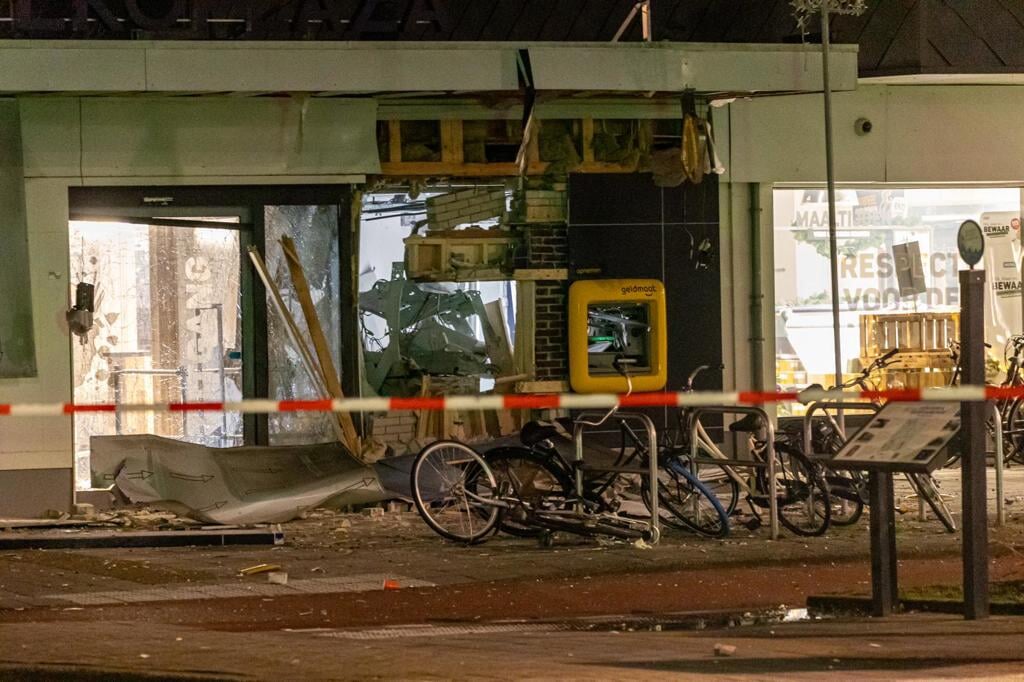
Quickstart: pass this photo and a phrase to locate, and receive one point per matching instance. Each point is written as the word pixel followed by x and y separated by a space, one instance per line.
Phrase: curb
pixel 861 606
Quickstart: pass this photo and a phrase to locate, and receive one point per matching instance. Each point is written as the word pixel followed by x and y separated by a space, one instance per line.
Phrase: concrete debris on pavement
pixel 259 568
pixel 724 650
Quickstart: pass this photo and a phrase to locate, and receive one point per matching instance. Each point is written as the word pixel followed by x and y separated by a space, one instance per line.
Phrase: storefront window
pixel 426 337
pixel 898 282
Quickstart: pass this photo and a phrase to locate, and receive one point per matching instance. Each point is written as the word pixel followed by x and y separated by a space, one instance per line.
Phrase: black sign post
pixel 972 417
pixel 970 241
pixel 884 596
pixel 902 437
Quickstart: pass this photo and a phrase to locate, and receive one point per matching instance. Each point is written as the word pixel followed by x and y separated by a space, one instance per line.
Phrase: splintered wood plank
pixel 451 142
pixel 540 275
pixel 496 338
pixel 523 351
pixel 320 343
pixel 394 142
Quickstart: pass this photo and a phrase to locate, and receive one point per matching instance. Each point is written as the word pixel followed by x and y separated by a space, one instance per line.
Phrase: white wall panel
pixel 675 67
pixel 48 437
pixel 27 66
pixel 346 68
pixel 51 136
pixel 955 133
pixel 199 137
pixel 17 348
pixel 920 134
pixel 782 138
pixel 228 136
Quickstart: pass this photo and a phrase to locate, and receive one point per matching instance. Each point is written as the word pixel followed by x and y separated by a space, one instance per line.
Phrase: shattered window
pixel 166 328
pixel 315 231
pixel 427 337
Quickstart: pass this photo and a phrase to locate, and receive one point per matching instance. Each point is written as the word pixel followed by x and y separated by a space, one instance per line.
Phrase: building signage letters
pixel 224 19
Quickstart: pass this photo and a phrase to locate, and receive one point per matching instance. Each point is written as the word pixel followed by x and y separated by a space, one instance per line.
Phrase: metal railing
pixel 823 405
pixel 997 436
pixel 652 460
pixel 769 464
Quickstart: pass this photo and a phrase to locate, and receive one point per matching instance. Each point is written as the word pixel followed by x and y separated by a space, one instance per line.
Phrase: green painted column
pixel 17 345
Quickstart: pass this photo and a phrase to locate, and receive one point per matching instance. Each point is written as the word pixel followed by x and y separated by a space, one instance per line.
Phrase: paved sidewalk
pixel 904 647
pixel 333 548
pixel 187 612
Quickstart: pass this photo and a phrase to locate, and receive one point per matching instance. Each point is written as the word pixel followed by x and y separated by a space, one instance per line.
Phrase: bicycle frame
pixel 825 405
pixel 699 439
pixel 652 460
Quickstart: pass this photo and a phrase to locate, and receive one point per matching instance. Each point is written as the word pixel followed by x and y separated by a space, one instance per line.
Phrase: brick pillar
pixel 547 246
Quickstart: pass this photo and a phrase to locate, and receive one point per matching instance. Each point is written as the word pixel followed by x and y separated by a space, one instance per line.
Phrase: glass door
pixel 181 313
pixel 167 328
pixel 314 229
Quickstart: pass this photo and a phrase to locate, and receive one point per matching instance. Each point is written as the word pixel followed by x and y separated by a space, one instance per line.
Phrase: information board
pixel 903 437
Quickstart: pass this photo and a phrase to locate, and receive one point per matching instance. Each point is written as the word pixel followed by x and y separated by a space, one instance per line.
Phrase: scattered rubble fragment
pixel 724 650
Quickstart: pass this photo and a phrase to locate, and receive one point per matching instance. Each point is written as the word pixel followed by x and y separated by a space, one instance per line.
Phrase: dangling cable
pixel 619 362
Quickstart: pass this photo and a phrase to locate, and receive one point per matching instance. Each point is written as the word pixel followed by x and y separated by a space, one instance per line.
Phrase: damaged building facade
pixel 440 195
pixel 432 264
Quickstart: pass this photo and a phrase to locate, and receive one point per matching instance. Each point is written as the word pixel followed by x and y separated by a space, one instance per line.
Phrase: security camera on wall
pixel 863 126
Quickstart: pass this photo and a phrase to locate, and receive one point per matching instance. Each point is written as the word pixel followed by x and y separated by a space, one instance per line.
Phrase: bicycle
pixel 528 490
pixel 686 502
pixel 801 493
pixel 1011 412
pixel 850 488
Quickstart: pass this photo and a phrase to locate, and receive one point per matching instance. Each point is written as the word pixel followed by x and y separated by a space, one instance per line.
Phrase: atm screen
pixel 618 330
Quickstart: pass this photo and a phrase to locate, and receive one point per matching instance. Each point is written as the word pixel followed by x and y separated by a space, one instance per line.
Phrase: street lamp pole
pixel 830 176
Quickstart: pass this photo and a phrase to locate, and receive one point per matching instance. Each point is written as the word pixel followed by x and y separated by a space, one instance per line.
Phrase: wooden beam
pixel 451 141
pixel 541 274
pixel 524 342
pixel 395 141
pixel 489 170
pixel 320 345
pixel 588 140
pixel 496 337
pixel 542 387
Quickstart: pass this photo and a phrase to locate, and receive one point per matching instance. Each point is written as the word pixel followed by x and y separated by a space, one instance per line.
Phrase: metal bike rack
pixel 823 405
pixel 1000 510
pixel 870 407
pixel 652 458
pixel 773 500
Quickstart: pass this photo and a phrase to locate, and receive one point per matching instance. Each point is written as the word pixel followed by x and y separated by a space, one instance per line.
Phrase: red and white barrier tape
pixel 532 401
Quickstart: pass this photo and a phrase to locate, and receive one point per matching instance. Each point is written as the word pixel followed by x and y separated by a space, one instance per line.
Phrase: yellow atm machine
pixel 617 327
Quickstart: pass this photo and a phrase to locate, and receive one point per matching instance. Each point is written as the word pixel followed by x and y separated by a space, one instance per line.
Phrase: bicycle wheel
pixel 805 506
pixel 712 475
pixel 454 491
pixel 927 488
pixel 1013 434
pixel 846 497
pixel 532 480
pixel 689 504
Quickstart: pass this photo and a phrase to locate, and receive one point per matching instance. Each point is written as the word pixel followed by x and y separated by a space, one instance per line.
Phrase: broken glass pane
pixel 414 329
pixel 315 231
pixel 165 329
